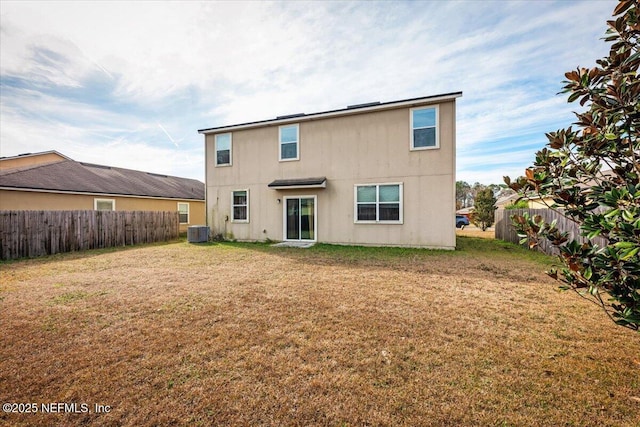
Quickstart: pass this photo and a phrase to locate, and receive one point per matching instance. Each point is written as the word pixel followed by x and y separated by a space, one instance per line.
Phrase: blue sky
pixel 128 84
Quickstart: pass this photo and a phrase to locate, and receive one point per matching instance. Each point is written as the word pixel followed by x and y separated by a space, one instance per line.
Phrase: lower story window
pixel 379 203
pixel 183 213
pixel 104 204
pixel 240 206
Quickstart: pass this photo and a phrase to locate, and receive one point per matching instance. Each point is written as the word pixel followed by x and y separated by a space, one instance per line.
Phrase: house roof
pixel 351 109
pixel 282 184
pixel 41 153
pixel 31 159
pixel 503 201
pixel 70 176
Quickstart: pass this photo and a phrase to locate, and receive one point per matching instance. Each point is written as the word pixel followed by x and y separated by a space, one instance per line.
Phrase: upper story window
pixel 289 136
pixel 223 149
pixel 183 213
pixel 104 204
pixel 240 206
pixel 424 128
pixel 378 203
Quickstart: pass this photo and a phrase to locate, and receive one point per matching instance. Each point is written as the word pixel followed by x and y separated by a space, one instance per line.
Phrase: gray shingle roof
pixel 300 182
pixel 72 176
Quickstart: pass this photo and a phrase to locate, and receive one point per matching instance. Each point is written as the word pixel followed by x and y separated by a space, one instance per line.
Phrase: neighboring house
pixel 533 201
pixel 52 181
pixel 465 212
pixel 369 174
pixel 536 201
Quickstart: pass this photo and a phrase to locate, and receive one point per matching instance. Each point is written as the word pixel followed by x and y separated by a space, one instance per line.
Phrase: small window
pixel 223 149
pixel 380 203
pixel 104 204
pixel 240 206
pixel 183 213
pixel 424 128
pixel 289 142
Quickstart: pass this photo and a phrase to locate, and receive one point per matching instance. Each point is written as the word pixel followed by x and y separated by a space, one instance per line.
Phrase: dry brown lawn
pixel 247 334
pixel 473 231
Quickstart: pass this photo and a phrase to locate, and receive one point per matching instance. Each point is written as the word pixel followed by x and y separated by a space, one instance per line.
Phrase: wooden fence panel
pixel 37 233
pixel 505 231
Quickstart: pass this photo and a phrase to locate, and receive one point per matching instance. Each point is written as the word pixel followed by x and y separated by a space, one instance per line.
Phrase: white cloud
pixel 173 67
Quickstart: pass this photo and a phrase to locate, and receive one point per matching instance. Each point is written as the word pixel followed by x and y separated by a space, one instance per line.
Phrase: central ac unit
pixel 198 234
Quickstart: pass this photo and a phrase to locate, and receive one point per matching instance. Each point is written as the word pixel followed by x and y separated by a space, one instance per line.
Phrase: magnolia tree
pixel 592 173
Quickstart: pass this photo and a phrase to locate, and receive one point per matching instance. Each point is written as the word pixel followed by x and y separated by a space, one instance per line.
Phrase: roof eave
pixel 298 187
pixel 336 113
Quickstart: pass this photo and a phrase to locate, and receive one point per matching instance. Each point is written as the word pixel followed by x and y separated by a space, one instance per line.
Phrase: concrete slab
pixel 301 245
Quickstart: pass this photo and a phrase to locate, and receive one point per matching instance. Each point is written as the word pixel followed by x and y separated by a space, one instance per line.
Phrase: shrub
pixel 593 174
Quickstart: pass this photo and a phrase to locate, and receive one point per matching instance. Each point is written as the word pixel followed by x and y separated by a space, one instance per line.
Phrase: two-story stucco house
pixel 370 174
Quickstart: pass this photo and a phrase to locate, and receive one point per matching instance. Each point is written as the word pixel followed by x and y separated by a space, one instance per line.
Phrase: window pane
pixel 424 118
pixel 424 137
pixel 289 134
pixel 224 157
pixel 389 212
pixel 104 205
pixel 293 219
pixel 184 218
pixel 367 212
pixel 367 193
pixel 183 208
pixel 289 151
pixel 389 193
pixel 240 212
pixel 223 142
pixel 307 219
pixel 239 197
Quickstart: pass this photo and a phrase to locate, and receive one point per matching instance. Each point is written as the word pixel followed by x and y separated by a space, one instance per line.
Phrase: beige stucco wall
pixel 27 200
pixel 357 149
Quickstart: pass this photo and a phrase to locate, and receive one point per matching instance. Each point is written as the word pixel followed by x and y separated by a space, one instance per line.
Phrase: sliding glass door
pixel 300 218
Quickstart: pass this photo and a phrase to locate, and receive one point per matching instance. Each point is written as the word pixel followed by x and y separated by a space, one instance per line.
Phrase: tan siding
pixel 356 149
pixel 26 200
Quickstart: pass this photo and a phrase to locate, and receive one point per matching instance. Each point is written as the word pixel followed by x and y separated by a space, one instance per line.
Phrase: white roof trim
pixel 336 113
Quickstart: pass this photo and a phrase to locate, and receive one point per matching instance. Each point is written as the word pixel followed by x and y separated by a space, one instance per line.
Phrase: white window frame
pixel 297 126
pixel 96 201
pixel 437 133
pixel 377 202
pixel 188 216
pixel 233 219
pixel 215 149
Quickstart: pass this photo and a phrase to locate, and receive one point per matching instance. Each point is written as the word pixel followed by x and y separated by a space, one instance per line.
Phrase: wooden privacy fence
pixel 505 230
pixel 37 233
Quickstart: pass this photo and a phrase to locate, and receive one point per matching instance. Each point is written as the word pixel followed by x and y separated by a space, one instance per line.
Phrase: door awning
pixel 293 184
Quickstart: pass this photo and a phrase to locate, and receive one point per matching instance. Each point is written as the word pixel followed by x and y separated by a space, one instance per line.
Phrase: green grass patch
pixel 493 247
pixel 465 247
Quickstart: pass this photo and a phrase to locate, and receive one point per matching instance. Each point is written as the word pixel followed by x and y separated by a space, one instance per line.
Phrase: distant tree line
pixel 466 194
pixel 483 200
